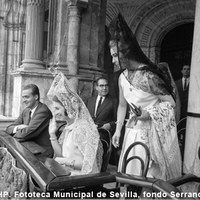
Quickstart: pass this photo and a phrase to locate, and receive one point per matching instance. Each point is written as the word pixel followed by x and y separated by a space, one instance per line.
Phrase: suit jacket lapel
pixel 93 103
pixel 26 117
pixel 103 105
pixel 182 85
pixel 38 107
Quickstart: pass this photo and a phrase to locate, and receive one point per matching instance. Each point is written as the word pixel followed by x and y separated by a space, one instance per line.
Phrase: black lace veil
pixel 127 44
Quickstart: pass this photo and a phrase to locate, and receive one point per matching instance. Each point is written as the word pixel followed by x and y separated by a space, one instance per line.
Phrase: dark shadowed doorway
pixel 176 48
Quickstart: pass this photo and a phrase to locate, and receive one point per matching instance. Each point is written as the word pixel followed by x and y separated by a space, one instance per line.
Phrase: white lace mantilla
pixel 163 142
pixel 87 135
pixel 12 179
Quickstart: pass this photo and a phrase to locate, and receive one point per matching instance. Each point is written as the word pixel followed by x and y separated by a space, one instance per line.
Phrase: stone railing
pixel 5 121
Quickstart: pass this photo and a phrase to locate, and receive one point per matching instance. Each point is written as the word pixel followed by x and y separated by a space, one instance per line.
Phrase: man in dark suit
pixel 103 110
pixel 183 88
pixel 33 122
pixel 102 107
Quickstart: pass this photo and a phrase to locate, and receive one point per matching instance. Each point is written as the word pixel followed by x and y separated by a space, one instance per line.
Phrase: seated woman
pixel 78 148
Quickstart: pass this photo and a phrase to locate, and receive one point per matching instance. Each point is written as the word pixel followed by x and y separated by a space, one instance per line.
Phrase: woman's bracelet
pixel 118 122
pixel 53 138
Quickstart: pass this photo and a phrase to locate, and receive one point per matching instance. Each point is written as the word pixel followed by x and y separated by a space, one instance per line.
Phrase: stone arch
pixel 156 22
pixel 125 7
pixel 152 20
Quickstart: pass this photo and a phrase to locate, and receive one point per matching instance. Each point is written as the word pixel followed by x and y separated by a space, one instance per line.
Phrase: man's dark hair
pixel 34 88
pixel 100 78
pixel 186 65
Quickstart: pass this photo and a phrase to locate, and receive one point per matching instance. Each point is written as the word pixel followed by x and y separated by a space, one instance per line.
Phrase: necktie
pixel 185 84
pixel 29 119
pixel 99 104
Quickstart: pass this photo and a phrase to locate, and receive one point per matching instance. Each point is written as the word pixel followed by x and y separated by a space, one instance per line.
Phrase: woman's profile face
pixel 123 64
pixel 58 111
pixel 115 60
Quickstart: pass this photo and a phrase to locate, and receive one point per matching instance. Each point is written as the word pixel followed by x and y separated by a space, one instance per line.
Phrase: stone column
pixel 192 144
pixel 74 16
pixel 32 69
pixel 34 35
pixel 12 26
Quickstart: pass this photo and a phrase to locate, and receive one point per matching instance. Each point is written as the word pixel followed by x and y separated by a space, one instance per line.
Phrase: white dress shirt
pixel 97 102
pixel 183 82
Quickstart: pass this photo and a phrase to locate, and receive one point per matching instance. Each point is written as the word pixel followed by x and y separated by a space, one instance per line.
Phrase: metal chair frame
pixel 144 165
pixel 105 137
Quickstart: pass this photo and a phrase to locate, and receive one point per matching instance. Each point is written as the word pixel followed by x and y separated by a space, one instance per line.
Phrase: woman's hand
pixel 52 127
pixel 61 160
pixel 134 118
pixel 67 162
pixel 132 121
pixel 115 139
pixel 106 126
pixel 144 115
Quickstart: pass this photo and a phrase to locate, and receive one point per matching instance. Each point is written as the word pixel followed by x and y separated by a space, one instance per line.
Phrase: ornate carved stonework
pixel 35 2
pixel 163 16
pixel 127 8
pixel 34 35
pixel 151 20
pixel 79 3
pixel 14 12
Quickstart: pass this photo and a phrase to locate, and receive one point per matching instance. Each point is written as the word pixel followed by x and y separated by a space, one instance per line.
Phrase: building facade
pixel 72 35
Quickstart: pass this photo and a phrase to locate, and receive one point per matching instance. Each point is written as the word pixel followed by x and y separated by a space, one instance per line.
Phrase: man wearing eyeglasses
pixel 101 106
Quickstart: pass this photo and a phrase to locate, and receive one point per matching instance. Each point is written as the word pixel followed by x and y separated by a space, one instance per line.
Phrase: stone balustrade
pixel 5 121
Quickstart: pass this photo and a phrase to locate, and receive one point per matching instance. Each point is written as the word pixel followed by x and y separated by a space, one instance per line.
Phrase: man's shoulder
pixel 178 81
pixel 43 107
pixel 91 98
pixel 110 98
pixel 25 110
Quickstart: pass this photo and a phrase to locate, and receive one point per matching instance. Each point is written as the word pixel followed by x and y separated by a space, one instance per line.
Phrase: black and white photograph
pixel 99 99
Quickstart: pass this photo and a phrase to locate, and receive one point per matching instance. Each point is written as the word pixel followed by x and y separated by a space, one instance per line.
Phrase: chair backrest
pixel 199 153
pixel 181 140
pixel 105 137
pixel 144 165
pixel 182 123
pixel 181 134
